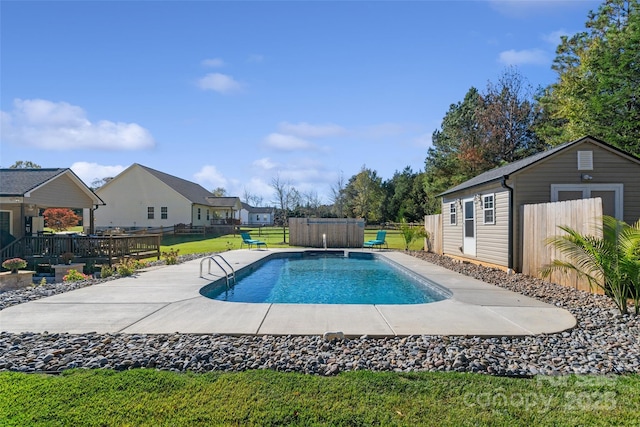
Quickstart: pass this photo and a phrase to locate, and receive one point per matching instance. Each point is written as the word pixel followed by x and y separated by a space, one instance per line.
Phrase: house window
pixel 150 212
pixel 257 217
pixel 489 209
pixel 199 213
pixel 452 214
pixel 164 214
pixel 208 217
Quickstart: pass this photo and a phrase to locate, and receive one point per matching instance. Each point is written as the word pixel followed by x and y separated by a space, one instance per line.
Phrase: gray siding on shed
pixel 533 185
pixel 531 182
pixel 492 240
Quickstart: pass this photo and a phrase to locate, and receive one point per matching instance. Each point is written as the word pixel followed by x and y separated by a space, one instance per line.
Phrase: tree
pixel 598 88
pixel 410 233
pixel 24 164
pixel 404 197
pixel 219 192
pixel 611 262
pixel 364 195
pixel 506 115
pixel 97 183
pixel 482 132
pixel 60 219
pixel 337 196
pixel 286 197
pixel 252 199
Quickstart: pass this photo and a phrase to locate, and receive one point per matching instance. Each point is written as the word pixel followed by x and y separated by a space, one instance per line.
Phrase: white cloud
pixel 210 177
pixel 265 163
pixel 306 130
pixel 554 37
pixel 213 63
pixel 221 83
pixel 89 172
pixel 284 142
pixel 61 126
pixel 521 57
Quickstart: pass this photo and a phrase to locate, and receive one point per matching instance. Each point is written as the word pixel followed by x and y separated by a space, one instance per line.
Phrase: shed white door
pixel 469 241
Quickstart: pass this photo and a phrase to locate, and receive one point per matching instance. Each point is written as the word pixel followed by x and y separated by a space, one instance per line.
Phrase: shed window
pixel 150 212
pixel 199 213
pixel 164 212
pixel 452 214
pixel 489 209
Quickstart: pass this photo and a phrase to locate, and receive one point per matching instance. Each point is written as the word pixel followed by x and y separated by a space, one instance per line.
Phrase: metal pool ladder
pixel 227 275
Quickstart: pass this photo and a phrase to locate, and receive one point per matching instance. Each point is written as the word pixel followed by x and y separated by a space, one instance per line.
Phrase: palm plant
pixel 410 233
pixel 611 262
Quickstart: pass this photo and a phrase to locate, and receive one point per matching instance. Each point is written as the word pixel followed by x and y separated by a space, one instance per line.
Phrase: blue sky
pixel 233 94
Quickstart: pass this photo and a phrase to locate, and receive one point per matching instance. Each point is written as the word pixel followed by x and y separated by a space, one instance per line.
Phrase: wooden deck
pixel 100 249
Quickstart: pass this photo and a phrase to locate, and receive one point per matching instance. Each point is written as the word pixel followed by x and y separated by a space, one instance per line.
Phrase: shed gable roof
pixel 515 167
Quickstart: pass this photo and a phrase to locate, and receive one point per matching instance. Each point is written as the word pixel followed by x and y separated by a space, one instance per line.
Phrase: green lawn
pixel 272 236
pixel 268 398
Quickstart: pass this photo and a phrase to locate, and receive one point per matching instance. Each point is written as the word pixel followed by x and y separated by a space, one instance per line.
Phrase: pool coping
pixel 167 300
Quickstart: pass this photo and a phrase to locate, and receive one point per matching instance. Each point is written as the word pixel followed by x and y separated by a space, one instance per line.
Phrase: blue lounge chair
pixel 378 241
pixel 247 240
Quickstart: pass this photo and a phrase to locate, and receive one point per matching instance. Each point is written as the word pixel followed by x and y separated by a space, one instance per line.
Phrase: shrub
pixel 106 271
pixel 171 256
pixel 410 233
pixel 126 267
pixel 74 276
pixel 14 264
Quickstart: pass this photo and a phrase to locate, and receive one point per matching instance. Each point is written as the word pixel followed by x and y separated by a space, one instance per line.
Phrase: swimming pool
pixel 334 277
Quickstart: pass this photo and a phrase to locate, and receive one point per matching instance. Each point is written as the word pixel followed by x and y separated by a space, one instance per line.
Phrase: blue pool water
pixel 325 280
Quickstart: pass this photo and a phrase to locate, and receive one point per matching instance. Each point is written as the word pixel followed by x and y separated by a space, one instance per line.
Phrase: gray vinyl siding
pixel 533 185
pixel 451 234
pixel 492 240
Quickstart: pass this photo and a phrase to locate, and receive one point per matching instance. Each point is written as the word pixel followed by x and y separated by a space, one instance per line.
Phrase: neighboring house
pixel 141 197
pixel 481 217
pixel 256 216
pixel 26 193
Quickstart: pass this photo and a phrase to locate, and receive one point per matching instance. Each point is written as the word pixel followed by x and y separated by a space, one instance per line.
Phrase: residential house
pixel 26 193
pixel 256 216
pixel 142 197
pixel 481 217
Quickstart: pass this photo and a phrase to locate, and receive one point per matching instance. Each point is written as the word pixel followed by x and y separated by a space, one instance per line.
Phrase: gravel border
pixel 603 342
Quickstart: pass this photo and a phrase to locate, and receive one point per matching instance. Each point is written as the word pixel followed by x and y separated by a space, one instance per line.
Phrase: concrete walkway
pixel 166 300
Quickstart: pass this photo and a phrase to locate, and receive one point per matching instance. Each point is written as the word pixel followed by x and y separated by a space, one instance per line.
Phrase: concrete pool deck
pixel 166 300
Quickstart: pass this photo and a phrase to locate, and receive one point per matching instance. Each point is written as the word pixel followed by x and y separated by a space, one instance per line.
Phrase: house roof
pixel 514 167
pixel 195 193
pixel 251 209
pixel 18 182
pixel 224 202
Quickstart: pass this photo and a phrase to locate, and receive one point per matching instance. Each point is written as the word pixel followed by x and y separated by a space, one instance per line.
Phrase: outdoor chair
pixel 378 241
pixel 247 240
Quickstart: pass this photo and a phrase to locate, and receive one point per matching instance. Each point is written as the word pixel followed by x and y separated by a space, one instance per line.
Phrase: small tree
pixel 410 233
pixel 60 219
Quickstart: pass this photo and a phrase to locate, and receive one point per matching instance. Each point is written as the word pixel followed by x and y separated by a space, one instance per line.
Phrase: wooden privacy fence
pixel 541 221
pixel 337 232
pixel 433 226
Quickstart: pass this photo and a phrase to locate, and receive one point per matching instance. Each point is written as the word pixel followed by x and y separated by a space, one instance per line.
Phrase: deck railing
pixel 107 248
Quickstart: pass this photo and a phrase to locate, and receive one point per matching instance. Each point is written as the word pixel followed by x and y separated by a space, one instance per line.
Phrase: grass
pixel 273 236
pixel 267 398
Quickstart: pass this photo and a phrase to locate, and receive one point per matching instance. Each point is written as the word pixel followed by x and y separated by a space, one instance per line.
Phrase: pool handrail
pixel 226 274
